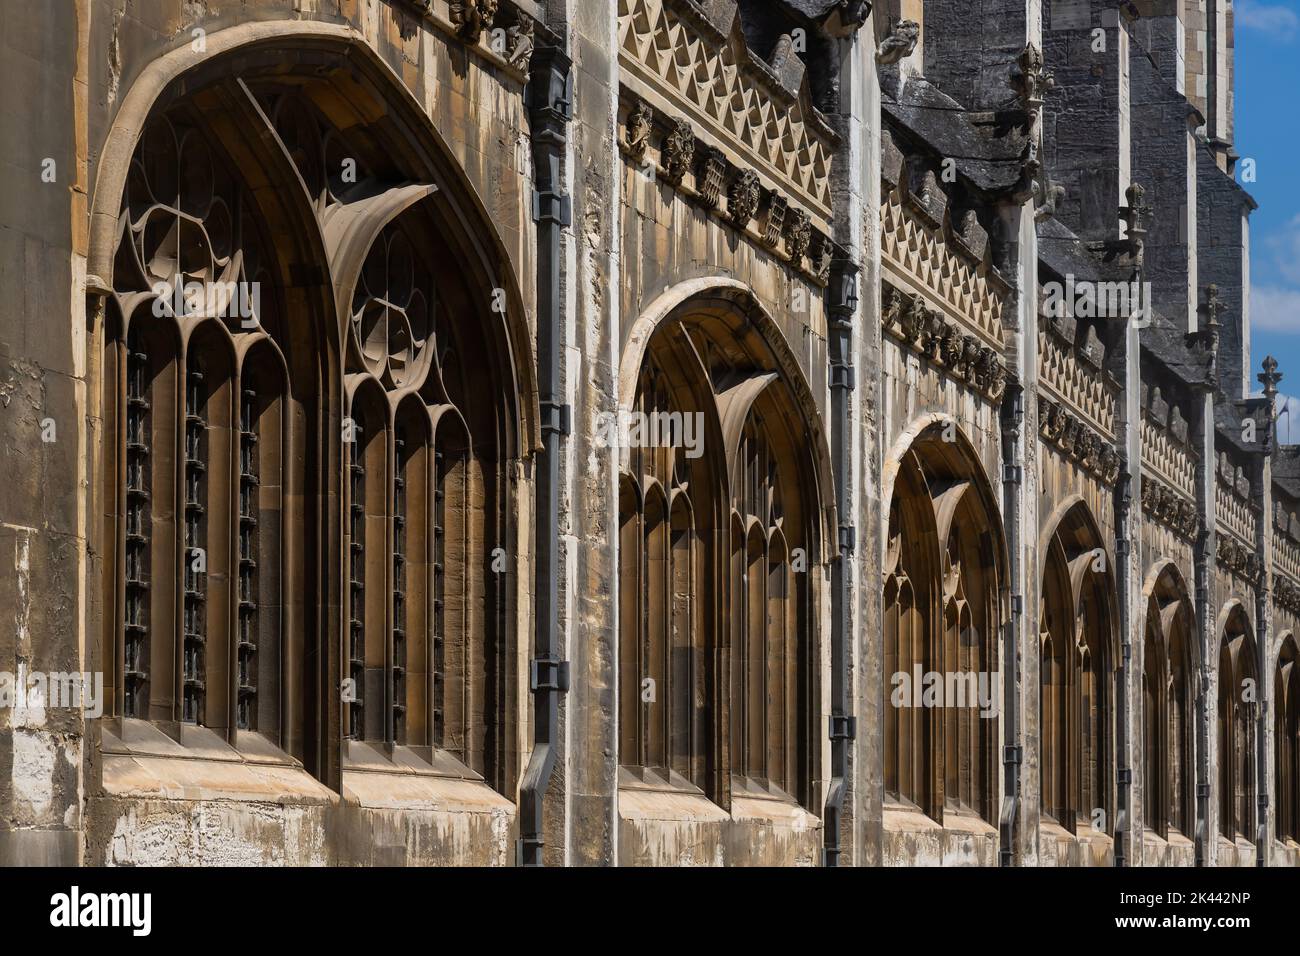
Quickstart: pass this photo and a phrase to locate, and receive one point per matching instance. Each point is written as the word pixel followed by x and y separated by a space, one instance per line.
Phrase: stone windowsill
pixel 415 778
pixel 1048 827
pixel 644 795
pixel 908 818
pixel 1176 839
pixel 139 760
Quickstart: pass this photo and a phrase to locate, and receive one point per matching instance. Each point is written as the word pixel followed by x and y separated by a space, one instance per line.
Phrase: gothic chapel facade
pixel 640 432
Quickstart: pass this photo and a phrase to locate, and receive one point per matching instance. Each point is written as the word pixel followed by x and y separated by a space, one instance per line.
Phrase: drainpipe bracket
pixel 548 674
pixel 551 206
pixel 1013 474
pixel 1012 756
pixel 843 727
pixel 843 376
pixel 848 539
pixel 556 418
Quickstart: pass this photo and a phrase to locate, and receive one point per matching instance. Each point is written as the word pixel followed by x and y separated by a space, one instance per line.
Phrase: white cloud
pixel 1275 308
pixel 1279 21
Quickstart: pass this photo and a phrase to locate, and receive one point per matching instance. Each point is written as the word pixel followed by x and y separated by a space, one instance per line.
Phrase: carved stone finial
pixel 640 121
pixel 1213 309
pixel 519 52
pixel 1135 216
pixel 679 151
pixel 472 17
pixel 1270 378
pixel 1033 79
pixel 901 41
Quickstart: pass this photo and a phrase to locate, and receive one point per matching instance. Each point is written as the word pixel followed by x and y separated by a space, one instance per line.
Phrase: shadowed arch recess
pixel 287 163
pixel 945 576
pixel 722 527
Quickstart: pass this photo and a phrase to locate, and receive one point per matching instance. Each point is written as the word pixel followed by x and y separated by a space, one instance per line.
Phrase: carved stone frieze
pixel 1077 440
pixel 762 114
pixel 1170 508
pixel 1239 559
pixel 1286 595
pixel 925 331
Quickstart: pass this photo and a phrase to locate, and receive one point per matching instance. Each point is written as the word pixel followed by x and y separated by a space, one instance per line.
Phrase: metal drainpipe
pixel 1261 708
pixel 1207 545
pixel 1263 594
pixel 1123 505
pixel 842 305
pixel 549 98
pixel 1013 476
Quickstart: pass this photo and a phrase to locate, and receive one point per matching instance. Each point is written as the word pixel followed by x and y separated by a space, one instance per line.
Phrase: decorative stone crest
pixel 822 252
pixel 774 227
pixel 472 17
pixel 713 171
pixel 679 151
pixel 743 198
pixel 640 122
pixel 798 235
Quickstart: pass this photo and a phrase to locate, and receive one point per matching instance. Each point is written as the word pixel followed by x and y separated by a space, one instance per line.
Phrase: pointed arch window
pixel 1286 741
pixel 237 512
pixel 1235 728
pixel 194 570
pixel 942 619
pixel 1076 676
pixel 717 541
pixel 1168 774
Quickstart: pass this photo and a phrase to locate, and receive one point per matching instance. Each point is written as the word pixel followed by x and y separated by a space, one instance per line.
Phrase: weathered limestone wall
pixel 45 564
pixel 596 312
pixel 142 808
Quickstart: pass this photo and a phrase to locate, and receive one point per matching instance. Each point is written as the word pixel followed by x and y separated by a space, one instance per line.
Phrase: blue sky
pixel 1268 131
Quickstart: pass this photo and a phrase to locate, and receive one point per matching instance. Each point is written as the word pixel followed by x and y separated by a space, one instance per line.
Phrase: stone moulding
pixel 1286 595
pixel 925 332
pixel 1168 507
pixel 472 23
pixel 696 62
pixel 1078 440
pixel 1234 556
pixel 703 172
